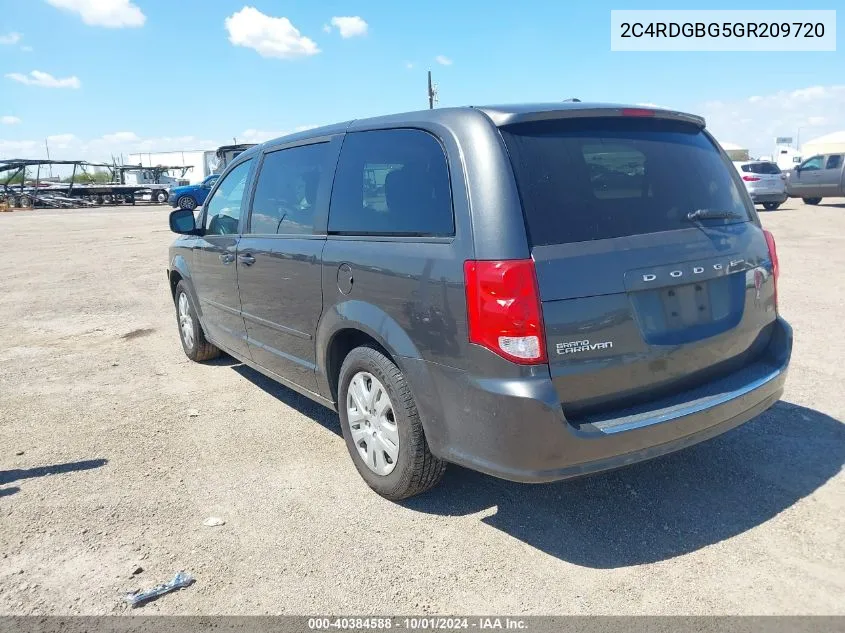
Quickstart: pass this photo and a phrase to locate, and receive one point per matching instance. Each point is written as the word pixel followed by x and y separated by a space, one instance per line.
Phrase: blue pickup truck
pixel 191 196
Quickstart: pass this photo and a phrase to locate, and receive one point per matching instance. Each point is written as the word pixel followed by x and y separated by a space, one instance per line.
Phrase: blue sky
pixel 165 74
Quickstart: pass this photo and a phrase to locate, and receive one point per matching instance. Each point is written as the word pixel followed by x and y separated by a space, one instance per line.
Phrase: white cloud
pixel 327 28
pixel 8 119
pixel 409 65
pixel 27 49
pixel 113 14
pixel 121 137
pixel 259 136
pixel 61 141
pixel 443 60
pixel 21 149
pixel 45 80
pixel 103 148
pixel 10 38
pixel 350 26
pixel 61 138
pixel 754 122
pixel 271 37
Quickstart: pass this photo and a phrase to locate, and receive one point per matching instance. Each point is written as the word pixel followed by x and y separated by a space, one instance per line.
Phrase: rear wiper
pixel 712 214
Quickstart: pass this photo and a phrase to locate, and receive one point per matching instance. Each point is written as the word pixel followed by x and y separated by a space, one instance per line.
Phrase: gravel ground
pixel 114 449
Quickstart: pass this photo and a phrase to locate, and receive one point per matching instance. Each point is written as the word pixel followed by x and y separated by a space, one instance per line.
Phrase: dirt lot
pixel 114 449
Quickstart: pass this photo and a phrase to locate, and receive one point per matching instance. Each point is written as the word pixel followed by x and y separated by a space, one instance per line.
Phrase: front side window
pixel 813 164
pixel 223 211
pixel 391 182
pixel 286 190
pixel 834 162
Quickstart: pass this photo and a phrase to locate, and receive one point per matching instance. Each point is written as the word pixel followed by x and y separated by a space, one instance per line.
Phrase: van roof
pixel 500 115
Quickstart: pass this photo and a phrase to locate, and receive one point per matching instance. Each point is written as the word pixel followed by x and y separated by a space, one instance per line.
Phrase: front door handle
pixel 246 259
pixel 227 258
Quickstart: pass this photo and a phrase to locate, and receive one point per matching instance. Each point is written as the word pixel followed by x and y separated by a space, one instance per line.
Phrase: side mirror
pixel 182 222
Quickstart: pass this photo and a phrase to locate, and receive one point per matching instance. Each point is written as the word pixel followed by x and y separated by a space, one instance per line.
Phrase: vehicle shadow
pixel 8 476
pixel 648 512
pixel 663 508
pixel 291 398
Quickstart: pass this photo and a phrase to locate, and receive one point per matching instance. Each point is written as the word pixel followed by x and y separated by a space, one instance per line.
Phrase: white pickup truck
pixel 160 183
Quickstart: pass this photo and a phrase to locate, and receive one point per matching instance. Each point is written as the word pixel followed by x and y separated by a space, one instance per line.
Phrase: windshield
pixel 593 179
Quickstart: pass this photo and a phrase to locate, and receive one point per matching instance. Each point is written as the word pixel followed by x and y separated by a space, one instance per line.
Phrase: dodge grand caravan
pixel 535 292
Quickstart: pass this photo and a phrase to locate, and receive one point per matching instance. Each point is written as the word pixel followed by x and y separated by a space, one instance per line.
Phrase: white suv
pixel 765 182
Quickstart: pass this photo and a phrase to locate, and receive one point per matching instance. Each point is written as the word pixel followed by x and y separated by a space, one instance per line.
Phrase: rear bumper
pixel 760 198
pixel 516 430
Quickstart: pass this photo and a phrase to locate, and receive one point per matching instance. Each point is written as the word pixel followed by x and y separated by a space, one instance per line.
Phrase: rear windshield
pixel 761 168
pixel 594 179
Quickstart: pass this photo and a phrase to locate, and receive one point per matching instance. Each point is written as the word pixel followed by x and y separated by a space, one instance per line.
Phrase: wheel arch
pixel 179 271
pixel 349 325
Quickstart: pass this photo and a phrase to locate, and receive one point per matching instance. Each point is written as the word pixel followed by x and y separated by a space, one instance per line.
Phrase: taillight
pixel 773 255
pixel 503 309
pixel 750 178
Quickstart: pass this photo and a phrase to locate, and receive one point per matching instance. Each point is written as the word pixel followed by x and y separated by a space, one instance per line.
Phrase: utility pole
pixel 47 146
pixel 432 92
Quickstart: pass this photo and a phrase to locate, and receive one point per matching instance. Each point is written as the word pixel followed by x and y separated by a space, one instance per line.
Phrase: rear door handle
pixel 246 259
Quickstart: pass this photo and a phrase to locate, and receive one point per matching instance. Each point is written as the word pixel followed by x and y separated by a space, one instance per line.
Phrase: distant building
pixel 734 151
pixel 833 143
pixel 786 157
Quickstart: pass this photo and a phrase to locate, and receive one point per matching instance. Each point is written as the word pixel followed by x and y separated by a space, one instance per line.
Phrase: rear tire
pixel 812 201
pixel 161 197
pixel 771 206
pixel 196 346
pixel 415 469
pixel 187 203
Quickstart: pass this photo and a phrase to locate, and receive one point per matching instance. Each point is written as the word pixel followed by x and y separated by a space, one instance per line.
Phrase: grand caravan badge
pixel 575 347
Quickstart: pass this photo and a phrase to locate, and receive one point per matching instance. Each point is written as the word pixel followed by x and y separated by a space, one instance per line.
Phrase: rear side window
pixel 286 190
pixel 834 162
pixel 594 179
pixel 391 182
pixel 761 168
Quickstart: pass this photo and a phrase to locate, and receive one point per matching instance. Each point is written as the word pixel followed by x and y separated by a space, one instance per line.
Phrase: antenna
pixel 432 93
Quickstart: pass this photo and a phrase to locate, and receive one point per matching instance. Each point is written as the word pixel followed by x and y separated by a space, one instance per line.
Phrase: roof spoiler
pixel 512 118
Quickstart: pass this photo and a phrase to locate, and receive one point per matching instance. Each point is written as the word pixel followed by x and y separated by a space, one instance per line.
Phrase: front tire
pixel 811 201
pixel 196 346
pixel 382 428
pixel 771 206
pixel 161 197
pixel 187 203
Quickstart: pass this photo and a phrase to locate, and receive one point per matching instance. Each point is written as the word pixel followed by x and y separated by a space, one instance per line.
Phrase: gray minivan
pixel 536 292
pixel 820 176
